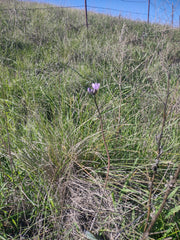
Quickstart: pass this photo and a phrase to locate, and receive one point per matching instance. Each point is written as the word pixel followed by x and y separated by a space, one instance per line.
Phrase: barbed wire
pixel 116 10
pixel 131 1
pixel 39 8
pixel 79 6
pixel 89 7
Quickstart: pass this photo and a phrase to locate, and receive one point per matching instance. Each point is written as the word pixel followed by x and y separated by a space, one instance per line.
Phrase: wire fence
pixel 168 12
pixel 171 18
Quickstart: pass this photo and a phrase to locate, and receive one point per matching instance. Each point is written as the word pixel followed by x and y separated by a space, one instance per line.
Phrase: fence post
pixel 172 14
pixel 148 11
pixel 85 3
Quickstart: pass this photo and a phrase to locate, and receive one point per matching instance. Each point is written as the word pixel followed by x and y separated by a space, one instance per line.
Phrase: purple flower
pixel 94 89
pixel 90 91
pixel 95 86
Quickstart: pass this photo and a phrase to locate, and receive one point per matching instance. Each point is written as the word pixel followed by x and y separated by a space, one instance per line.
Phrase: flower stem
pixel 104 140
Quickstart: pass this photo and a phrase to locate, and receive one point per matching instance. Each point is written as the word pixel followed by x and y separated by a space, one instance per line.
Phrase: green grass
pixel 53 161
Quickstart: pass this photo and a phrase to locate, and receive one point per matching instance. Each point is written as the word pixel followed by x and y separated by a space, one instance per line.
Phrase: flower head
pixel 94 89
pixel 95 86
pixel 90 91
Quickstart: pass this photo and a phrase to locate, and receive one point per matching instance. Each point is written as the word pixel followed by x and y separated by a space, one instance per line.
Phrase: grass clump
pixel 52 157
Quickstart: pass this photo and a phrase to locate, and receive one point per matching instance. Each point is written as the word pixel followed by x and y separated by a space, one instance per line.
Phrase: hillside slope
pixel 53 160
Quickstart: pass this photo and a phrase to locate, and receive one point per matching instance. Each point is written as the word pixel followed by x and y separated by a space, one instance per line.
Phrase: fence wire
pixel 105 10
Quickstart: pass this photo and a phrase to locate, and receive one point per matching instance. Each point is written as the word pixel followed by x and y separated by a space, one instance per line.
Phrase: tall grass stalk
pixel 159 150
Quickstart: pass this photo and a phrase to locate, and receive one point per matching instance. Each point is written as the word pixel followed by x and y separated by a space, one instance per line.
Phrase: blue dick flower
pixel 94 89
